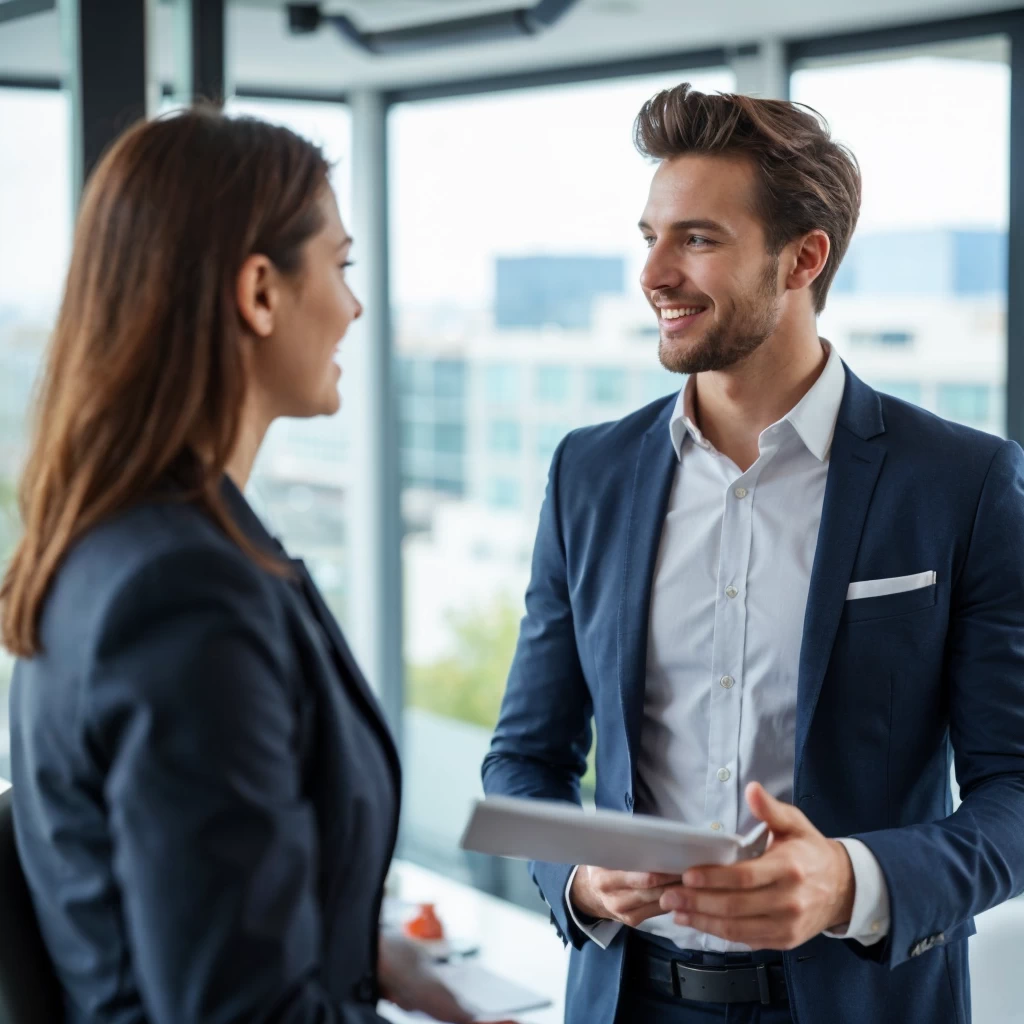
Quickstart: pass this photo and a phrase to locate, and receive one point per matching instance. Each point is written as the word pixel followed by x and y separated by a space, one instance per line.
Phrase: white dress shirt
pixel 726 620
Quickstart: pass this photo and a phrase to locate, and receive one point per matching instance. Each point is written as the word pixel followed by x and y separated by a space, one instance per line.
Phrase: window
pixel 552 383
pixel 310 458
pixel 502 387
pixel 881 337
pixel 449 378
pixel 968 403
pixel 480 275
pixel 907 390
pixel 921 294
pixel 606 385
pixel 35 211
pixel 549 436
pixel 505 437
pixel 658 383
pixel 504 492
pixel 450 438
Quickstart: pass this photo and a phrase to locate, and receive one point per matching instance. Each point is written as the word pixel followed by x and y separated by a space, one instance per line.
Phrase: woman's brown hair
pixel 806 180
pixel 145 371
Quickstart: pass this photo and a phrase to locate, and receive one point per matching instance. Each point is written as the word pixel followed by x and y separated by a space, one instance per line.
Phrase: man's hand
pixel 803 885
pixel 626 896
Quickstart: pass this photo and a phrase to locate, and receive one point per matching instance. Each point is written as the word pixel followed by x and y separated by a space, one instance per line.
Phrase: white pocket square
pixel 893 585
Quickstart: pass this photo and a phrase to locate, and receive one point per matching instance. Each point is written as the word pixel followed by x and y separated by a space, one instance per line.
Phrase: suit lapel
pixel 854 465
pixel 346 662
pixel 314 604
pixel 656 466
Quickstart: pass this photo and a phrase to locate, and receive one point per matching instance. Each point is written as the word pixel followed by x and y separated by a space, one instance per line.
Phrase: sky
pixel 554 170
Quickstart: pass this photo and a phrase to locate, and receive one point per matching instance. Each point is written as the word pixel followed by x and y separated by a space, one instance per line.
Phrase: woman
pixel 206 795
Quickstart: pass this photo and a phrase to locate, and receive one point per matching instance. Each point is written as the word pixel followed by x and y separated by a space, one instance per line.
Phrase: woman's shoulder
pixel 157 559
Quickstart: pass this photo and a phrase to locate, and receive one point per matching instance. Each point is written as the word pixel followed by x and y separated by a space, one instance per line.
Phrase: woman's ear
pixel 256 292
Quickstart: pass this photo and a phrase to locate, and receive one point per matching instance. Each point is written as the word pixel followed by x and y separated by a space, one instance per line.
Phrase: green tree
pixel 468 684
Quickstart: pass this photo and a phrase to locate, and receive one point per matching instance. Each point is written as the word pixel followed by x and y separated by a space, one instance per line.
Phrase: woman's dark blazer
pixel 206 795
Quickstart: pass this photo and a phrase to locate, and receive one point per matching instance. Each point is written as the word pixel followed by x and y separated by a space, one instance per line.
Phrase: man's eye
pixel 345 266
pixel 648 240
pixel 699 240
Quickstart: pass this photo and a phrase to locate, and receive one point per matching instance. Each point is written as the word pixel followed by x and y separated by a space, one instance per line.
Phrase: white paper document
pixel 562 833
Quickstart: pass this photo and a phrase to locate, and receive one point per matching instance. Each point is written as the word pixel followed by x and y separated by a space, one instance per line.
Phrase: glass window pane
pixel 301 478
pixel 35 243
pixel 968 403
pixel 552 383
pixel 505 437
pixel 606 385
pixel 525 270
pixel 920 299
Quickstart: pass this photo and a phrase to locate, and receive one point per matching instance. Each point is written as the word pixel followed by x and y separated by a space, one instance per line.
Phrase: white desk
pixel 516 943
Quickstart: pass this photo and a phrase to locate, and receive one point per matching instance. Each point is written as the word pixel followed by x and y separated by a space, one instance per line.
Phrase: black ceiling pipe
pixel 483 28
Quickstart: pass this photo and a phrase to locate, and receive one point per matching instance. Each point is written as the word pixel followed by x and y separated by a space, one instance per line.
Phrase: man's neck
pixel 734 406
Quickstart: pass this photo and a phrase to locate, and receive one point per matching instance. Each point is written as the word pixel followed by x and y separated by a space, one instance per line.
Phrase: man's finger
pixel 751 874
pixel 643 913
pixel 643 879
pixel 756 932
pixel 770 901
pixel 629 899
pixel 780 817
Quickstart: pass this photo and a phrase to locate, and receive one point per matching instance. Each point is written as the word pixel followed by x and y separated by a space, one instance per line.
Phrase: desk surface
pixel 518 944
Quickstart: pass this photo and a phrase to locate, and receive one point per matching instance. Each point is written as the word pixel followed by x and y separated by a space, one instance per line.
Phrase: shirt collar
pixel 813 417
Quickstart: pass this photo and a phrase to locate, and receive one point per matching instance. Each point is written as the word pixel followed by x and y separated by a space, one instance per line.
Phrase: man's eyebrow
pixel 691 225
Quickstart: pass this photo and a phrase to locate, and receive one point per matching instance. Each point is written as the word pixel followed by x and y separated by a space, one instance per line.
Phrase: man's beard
pixel 727 343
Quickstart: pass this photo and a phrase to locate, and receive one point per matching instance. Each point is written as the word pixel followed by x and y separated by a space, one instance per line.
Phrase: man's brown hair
pixel 805 179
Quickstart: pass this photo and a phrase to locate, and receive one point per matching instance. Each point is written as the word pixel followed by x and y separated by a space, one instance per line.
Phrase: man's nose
pixel 661 271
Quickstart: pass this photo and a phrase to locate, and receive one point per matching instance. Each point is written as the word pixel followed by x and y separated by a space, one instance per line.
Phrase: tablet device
pixel 563 833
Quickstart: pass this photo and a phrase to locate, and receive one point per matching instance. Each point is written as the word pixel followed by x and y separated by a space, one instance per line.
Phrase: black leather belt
pixel 742 983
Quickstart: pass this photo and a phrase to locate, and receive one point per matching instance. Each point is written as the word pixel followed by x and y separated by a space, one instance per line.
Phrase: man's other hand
pixel 802 886
pixel 626 896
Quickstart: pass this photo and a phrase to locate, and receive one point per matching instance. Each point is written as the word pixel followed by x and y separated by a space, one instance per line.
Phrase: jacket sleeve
pixel 540 745
pixel 214 845
pixel 941 874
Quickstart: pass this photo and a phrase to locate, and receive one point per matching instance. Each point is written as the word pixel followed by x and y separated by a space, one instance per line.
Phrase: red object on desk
pixel 425 925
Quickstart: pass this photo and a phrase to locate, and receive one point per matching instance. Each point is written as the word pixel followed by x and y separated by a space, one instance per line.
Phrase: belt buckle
pixel 762 985
pixel 763 989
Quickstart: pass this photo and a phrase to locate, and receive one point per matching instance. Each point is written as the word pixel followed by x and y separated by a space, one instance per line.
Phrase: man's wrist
pixel 579 896
pixel 846 886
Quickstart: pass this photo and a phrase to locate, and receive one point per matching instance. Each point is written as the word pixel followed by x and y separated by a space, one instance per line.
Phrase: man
pixel 781 597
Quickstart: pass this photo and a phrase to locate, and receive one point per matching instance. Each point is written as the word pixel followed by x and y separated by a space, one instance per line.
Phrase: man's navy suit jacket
pixel 205 792
pixel 889 688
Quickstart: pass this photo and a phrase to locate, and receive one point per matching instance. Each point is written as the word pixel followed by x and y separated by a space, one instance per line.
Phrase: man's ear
pixel 810 254
pixel 256 292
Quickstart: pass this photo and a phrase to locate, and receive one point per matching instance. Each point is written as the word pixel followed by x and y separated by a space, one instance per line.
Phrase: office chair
pixel 29 990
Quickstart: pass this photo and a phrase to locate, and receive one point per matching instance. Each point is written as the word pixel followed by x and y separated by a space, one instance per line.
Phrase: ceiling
pixel 262 52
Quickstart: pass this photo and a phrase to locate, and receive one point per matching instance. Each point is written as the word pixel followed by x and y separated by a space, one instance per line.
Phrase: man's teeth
pixel 675 314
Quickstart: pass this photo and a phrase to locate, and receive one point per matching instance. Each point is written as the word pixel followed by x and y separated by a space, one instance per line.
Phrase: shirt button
pixel 727 682
pixel 724 775
pixel 731 591
pixel 876 926
pixel 740 492
pixel 717 826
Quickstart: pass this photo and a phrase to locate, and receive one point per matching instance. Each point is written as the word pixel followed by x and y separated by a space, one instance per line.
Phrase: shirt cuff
pixel 599 930
pixel 869 921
